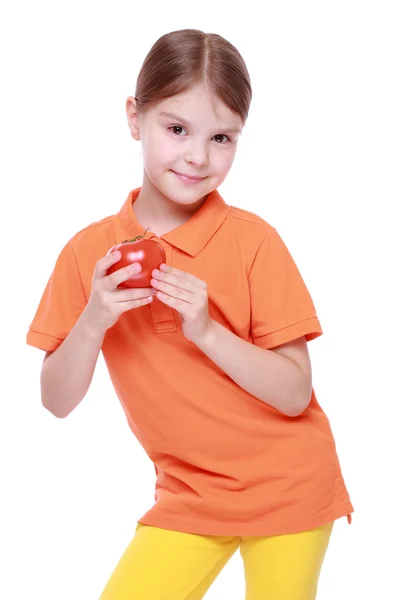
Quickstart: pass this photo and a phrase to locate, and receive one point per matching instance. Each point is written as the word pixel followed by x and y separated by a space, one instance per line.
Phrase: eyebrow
pixel 175 117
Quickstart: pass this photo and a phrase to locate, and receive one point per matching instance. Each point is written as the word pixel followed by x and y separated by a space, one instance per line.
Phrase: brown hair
pixel 181 59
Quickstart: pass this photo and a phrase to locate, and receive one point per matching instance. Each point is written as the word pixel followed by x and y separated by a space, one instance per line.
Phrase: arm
pixel 280 377
pixel 68 371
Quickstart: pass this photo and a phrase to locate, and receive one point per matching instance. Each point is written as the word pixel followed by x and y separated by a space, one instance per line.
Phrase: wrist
pixel 91 327
pixel 207 339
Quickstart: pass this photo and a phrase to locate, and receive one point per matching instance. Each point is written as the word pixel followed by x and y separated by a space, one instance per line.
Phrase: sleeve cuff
pixel 42 341
pixel 310 328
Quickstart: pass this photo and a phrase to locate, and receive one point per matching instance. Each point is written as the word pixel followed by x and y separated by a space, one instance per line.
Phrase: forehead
pixel 200 103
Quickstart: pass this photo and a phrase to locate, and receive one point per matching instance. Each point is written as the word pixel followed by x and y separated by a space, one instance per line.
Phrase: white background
pixel 319 160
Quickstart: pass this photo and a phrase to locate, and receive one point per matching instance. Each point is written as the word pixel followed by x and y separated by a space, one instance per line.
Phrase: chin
pixel 185 200
pixel 178 194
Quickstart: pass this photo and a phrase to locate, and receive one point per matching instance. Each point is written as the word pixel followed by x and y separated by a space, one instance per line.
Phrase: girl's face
pixel 193 134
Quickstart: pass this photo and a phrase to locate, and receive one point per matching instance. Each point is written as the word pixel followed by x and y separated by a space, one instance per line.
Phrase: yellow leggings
pixel 160 564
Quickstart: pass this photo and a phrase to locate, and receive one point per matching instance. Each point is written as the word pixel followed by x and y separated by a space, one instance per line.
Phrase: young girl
pixel 210 363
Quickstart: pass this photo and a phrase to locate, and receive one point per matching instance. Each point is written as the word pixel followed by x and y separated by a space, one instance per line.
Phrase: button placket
pixel 163 317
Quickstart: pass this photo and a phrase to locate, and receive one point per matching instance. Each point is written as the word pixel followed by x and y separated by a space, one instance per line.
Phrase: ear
pixel 133 118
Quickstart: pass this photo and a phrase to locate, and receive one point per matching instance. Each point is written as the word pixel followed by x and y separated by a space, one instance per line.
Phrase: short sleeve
pixel 281 307
pixel 62 303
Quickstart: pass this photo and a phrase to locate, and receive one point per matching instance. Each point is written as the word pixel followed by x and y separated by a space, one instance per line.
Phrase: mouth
pixel 186 177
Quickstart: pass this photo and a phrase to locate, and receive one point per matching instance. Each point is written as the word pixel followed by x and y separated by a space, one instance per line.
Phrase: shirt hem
pixel 269 527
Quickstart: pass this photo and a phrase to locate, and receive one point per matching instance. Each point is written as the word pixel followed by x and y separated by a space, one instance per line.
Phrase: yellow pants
pixel 160 564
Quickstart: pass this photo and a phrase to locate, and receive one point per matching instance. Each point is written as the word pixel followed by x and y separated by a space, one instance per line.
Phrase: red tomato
pixel 149 253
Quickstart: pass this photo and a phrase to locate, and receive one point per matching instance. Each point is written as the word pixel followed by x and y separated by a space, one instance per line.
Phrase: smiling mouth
pixel 191 177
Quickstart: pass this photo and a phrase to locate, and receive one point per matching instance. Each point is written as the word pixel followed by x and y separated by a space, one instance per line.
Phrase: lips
pixel 192 177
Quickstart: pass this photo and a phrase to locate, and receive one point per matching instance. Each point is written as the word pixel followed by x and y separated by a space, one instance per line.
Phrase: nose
pixel 197 154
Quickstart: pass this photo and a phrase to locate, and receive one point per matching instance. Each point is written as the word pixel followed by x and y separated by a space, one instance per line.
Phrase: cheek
pixel 222 160
pixel 159 150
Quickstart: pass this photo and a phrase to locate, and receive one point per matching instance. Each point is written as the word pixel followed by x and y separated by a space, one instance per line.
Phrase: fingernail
pixel 136 267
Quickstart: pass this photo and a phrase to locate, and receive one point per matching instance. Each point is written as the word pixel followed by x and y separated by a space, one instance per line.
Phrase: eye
pixel 221 135
pixel 177 129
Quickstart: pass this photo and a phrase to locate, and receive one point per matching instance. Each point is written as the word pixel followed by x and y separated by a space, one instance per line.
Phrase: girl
pixel 210 363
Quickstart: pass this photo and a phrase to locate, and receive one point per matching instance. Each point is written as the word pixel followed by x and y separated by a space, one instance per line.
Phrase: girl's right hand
pixel 106 302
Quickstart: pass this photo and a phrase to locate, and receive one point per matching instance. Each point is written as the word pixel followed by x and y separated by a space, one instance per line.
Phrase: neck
pixel 154 210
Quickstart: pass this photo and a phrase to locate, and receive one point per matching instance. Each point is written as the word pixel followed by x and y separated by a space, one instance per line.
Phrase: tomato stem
pixel 138 237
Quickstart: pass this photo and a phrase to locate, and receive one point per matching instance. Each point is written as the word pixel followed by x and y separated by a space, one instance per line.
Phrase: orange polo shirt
pixel 226 462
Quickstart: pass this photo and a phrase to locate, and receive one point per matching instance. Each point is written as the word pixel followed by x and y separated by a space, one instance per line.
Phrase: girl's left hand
pixel 188 295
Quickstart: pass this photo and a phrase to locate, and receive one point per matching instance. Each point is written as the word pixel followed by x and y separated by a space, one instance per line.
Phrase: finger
pixel 179 281
pixel 178 305
pixel 137 303
pixel 105 263
pixel 172 290
pixel 182 274
pixel 133 294
pixel 122 274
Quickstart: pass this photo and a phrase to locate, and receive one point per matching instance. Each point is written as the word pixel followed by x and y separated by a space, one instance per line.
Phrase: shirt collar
pixel 191 237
